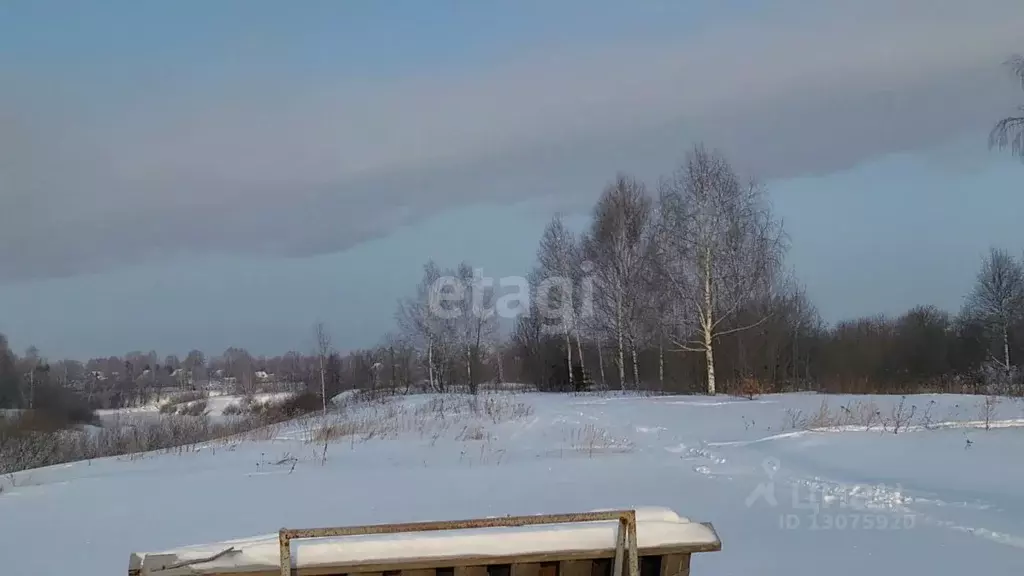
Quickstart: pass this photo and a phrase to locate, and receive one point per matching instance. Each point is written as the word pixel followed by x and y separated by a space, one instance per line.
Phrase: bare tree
pixel 657 322
pixel 322 341
pixel 989 406
pixel 619 246
pixel 430 323
pixel 9 380
pixel 559 258
pixel 290 368
pixel 195 364
pixel 477 321
pixel 719 249
pixel 172 362
pixel 416 322
pixel 497 357
pixel 401 360
pixel 801 321
pixel 997 300
pixel 1009 132
pixel 528 334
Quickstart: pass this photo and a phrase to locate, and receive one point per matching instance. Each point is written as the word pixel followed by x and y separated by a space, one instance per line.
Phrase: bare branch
pixel 1016 65
pixel 1009 132
pixel 686 346
pixel 742 328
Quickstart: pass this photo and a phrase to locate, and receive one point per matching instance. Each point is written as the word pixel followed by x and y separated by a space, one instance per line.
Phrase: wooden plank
pixel 423 572
pixel 550 569
pixel 526 569
pixel 575 567
pixel 474 562
pixel 675 565
pixel 470 560
pixel 471 571
pixel 620 552
pixel 457 561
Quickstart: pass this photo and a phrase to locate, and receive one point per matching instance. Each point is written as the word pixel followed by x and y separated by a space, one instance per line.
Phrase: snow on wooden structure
pixel 643 542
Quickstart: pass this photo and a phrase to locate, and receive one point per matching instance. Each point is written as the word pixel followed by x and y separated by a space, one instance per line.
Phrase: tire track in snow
pixel 968 424
pixel 830 496
pixel 881 497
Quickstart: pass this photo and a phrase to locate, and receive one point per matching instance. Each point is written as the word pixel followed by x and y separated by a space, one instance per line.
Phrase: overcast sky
pixel 207 174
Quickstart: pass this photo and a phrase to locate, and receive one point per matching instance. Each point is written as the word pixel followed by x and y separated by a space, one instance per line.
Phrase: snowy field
pixel 793 487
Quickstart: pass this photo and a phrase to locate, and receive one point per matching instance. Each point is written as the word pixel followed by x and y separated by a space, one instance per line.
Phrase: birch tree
pixel 719 248
pixel 618 246
pixel 426 331
pixel 997 301
pixel 559 259
pixel 322 341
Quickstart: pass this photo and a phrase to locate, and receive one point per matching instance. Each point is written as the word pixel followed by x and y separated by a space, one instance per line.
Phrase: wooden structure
pixel 646 542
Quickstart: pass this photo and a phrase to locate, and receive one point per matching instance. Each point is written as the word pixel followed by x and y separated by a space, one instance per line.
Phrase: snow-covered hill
pixel 795 484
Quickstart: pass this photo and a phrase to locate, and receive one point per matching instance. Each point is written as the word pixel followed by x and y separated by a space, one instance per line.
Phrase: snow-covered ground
pixel 942 495
pixel 216 404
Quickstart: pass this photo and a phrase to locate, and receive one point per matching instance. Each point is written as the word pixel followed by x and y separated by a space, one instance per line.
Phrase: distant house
pixel 182 376
pixel 263 375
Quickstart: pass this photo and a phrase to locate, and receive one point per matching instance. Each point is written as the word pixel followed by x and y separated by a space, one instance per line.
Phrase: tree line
pixel 685 289
pixel 682 287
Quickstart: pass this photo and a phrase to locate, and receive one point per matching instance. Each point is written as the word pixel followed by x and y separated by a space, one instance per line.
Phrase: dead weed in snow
pixel 390 418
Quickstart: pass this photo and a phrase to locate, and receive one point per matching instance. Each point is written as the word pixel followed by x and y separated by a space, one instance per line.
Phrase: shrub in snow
pixel 750 387
pixel 999 381
pixel 196 408
pixel 987 409
pixel 24 447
